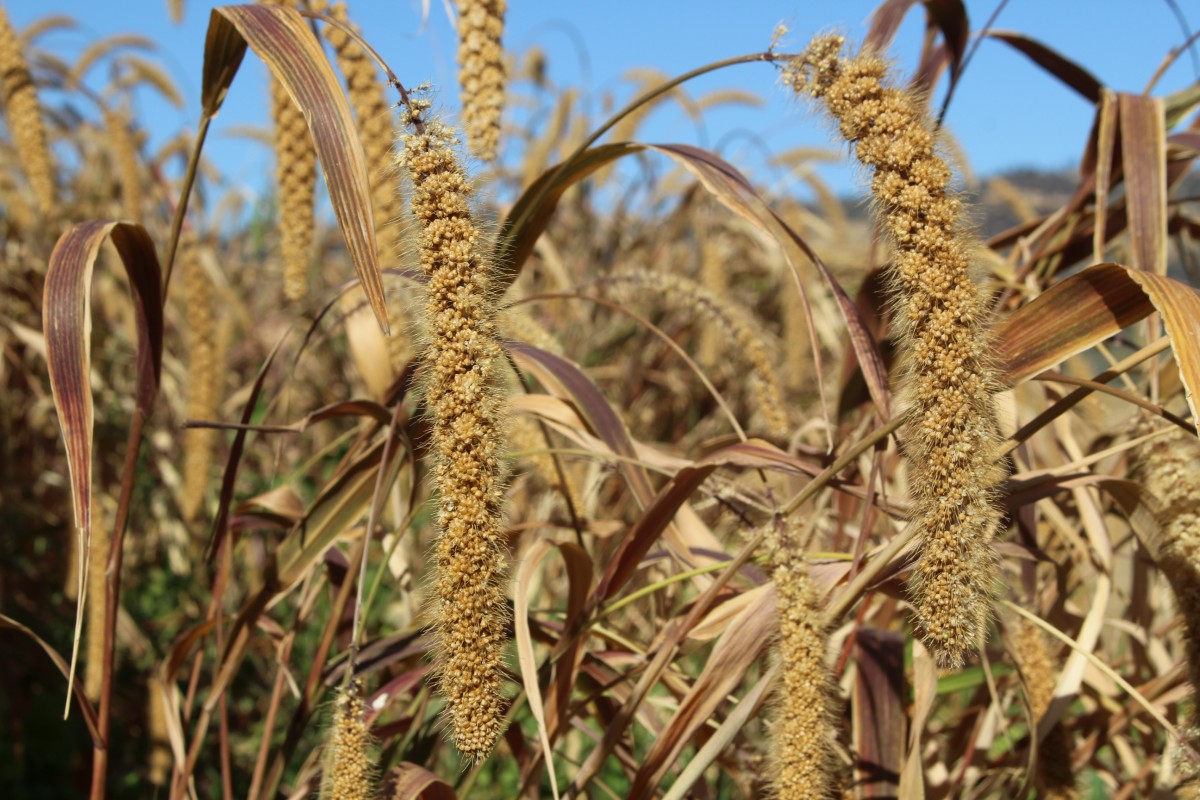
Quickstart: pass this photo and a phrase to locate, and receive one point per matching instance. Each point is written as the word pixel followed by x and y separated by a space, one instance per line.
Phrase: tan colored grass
pixel 802 733
pixel 1054 777
pixel 24 116
pixel 463 396
pixel 482 74
pixel 952 436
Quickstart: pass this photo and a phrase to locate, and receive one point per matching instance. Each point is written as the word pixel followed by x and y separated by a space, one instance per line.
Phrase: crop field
pixel 513 453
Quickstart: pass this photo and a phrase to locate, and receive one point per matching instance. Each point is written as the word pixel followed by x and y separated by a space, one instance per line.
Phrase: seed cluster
pixel 25 117
pixel 124 145
pixel 803 731
pixel 349 774
pixel 482 74
pixel 1054 777
pixel 735 324
pixel 204 375
pixel 952 436
pixel 1170 472
pixel 464 400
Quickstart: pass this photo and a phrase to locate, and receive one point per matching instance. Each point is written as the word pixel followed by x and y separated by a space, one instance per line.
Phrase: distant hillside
pixel 1000 202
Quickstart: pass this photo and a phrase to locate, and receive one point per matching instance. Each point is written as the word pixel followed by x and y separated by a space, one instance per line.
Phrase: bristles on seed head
pixel 952 439
pixel 349 772
pixel 464 400
pixel 803 731
pixel 1169 468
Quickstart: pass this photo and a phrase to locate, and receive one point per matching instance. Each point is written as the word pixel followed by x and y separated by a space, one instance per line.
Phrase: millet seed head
pixel 952 437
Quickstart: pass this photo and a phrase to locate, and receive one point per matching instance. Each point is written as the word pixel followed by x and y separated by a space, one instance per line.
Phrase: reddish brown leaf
pixel 879 716
pixel 281 38
pixel 1066 319
pixel 1058 65
pixel 650 525
pixel 1105 139
pixel 1179 305
pixel 570 382
pixel 67 326
pixel 1144 157
pixel 885 22
pixel 414 782
pixel 731 657
pixel 947 16
pixel 736 192
pixel 566 666
pixel 224 48
pixel 533 210
pixel 1086 309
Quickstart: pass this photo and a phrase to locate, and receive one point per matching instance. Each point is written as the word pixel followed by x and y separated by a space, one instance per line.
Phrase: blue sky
pixel 1007 112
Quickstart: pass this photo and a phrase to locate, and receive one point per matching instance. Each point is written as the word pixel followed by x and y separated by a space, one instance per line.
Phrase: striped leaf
pixel 1089 307
pixel 67 325
pixel 281 38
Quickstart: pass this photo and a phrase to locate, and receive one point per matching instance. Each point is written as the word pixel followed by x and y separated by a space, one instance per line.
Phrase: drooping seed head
pixel 803 731
pixel 464 400
pixel 349 771
pixel 952 437
pixel 24 117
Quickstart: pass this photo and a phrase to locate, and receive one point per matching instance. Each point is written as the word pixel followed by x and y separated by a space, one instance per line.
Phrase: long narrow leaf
pixel 281 38
pixel 67 326
pixel 1144 155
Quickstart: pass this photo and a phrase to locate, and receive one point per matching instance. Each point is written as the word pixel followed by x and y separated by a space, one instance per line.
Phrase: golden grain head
pixel 204 375
pixel 482 72
pixel 464 401
pixel 803 731
pixel 350 772
pixel 296 171
pixel 737 328
pixel 1168 468
pixel 1055 777
pixel 24 116
pixel 953 436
